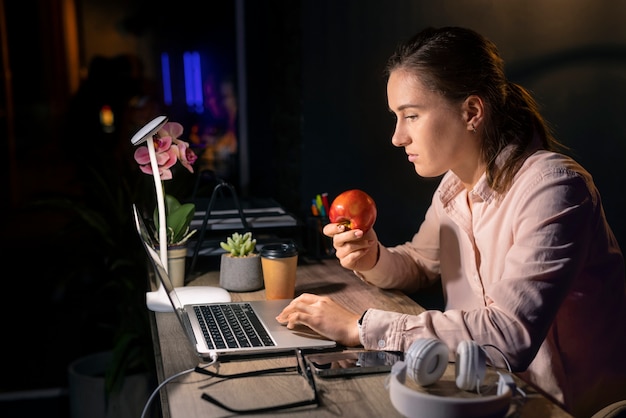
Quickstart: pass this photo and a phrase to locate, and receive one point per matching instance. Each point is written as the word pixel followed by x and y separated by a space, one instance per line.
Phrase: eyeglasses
pixel 302 368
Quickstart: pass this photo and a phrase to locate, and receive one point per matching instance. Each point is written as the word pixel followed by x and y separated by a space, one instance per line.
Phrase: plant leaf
pixel 239 245
pixel 178 218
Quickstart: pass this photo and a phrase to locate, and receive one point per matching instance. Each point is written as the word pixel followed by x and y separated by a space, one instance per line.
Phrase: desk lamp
pixel 158 300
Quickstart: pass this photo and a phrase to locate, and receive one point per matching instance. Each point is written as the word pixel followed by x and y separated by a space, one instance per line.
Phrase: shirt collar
pixel 451 186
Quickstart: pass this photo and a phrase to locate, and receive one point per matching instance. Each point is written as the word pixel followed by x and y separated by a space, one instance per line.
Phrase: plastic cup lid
pixel 279 250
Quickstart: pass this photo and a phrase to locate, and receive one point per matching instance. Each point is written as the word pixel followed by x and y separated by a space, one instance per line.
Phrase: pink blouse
pixel 537 272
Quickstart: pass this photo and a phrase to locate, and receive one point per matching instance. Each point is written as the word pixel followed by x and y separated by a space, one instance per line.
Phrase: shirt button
pixel 381 343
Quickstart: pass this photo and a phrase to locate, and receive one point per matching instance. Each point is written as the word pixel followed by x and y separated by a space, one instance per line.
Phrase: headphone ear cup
pixel 426 360
pixel 470 365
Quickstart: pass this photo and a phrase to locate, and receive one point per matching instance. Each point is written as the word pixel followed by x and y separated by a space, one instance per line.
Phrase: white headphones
pixel 426 361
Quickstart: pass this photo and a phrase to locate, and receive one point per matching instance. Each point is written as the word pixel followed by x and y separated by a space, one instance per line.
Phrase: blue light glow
pixel 193 80
pixel 167 81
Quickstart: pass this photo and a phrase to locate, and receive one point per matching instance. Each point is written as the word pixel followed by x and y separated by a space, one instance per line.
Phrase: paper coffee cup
pixel 279 262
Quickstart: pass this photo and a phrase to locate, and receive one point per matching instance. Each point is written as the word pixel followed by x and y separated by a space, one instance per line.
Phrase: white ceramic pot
pixel 176 259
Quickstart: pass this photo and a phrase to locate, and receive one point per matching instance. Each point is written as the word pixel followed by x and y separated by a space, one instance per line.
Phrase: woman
pixel 516 232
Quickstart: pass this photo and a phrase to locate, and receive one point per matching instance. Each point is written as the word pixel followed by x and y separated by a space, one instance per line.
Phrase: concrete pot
pixel 241 274
pixel 87 394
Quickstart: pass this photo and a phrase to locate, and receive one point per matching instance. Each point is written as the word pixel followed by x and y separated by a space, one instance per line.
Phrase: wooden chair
pixel 614 410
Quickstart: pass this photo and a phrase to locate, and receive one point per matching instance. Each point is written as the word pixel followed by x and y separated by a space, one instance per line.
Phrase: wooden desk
pixel 362 396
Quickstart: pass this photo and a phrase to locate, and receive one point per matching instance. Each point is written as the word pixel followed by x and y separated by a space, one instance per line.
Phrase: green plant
pixel 178 217
pixel 109 263
pixel 239 245
pixel 169 150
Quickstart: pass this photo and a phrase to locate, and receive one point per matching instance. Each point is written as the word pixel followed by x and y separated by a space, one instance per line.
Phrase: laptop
pixel 219 329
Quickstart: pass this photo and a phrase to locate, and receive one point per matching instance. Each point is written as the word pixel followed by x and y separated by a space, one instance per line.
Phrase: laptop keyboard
pixel 231 326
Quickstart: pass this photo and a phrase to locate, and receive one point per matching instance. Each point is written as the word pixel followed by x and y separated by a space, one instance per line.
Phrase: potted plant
pixel 240 266
pixel 132 352
pixel 104 283
pixel 178 218
pixel 168 149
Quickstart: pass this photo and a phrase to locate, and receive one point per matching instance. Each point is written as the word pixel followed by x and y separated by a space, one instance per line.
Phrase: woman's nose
pixel 399 139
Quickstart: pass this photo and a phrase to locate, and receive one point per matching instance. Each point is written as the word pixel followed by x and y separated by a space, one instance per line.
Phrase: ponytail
pixel 520 126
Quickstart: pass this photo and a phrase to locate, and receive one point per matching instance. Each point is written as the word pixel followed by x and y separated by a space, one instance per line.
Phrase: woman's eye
pixel 410 117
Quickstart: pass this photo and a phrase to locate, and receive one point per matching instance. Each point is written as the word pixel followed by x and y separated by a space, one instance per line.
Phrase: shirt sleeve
pixel 554 220
pixel 410 266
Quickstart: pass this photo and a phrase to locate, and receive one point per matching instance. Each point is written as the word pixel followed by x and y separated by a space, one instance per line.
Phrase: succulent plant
pixel 239 245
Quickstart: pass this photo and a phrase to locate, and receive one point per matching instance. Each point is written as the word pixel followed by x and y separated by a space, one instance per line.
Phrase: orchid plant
pixel 169 150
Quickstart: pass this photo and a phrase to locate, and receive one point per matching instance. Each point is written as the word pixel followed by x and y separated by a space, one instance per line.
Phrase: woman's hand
pixel 324 316
pixel 354 249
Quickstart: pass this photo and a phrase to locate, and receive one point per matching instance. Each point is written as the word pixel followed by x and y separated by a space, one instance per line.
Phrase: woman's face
pixel 433 131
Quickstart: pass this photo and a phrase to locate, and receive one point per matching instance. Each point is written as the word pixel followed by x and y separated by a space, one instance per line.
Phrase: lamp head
pixel 149 130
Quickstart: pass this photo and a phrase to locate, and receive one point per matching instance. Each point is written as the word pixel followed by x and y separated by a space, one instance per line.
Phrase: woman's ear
pixel 473 112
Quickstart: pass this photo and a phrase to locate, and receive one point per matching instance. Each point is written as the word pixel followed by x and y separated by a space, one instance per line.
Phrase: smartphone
pixel 352 362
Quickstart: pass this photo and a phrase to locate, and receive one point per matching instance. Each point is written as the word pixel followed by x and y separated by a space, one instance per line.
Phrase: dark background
pixel 315 110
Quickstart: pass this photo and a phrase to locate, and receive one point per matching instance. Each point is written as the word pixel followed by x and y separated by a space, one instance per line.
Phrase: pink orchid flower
pixel 168 149
pixel 185 155
pixel 171 129
pixel 165 160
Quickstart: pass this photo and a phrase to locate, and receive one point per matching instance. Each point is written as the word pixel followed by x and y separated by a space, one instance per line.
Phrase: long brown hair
pixel 457 63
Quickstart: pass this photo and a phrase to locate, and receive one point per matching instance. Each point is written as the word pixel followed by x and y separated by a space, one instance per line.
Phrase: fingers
pixel 333 229
pixel 350 250
pixel 322 315
pixel 289 315
pixel 352 237
pixel 304 310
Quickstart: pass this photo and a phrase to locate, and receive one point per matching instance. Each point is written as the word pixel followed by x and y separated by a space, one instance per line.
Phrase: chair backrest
pixel 614 410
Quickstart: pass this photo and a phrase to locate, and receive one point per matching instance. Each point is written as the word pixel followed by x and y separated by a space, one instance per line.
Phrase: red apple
pixel 353 208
